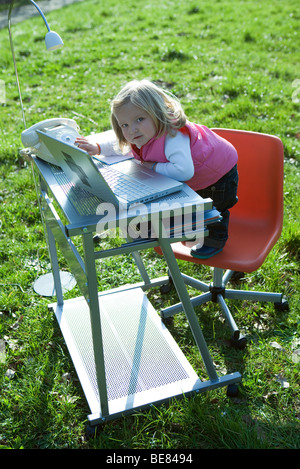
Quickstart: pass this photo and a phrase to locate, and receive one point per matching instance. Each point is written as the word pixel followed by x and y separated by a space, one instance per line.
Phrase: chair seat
pixel 248 245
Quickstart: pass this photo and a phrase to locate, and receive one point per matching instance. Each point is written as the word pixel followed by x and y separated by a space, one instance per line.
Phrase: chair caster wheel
pixel 167 287
pixel 237 276
pixel 232 390
pixel 168 322
pixel 238 341
pixel 282 306
pixel 96 239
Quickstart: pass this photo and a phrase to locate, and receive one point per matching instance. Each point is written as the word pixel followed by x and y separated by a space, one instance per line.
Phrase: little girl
pixel 151 123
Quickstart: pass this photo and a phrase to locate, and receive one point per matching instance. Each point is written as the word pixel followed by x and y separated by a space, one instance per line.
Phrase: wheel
pixel 282 306
pixel 167 287
pixel 238 342
pixel 237 276
pixel 96 239
pixel 232 390
pixel 168 322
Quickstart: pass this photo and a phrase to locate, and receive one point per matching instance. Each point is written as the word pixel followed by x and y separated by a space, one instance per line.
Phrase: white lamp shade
pixel 53 41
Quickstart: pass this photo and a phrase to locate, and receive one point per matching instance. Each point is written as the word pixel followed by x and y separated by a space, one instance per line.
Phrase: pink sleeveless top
pixel 212 155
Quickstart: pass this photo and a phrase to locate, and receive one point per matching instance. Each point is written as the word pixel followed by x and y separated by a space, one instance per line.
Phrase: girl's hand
pixel 147 164
pixel 84 144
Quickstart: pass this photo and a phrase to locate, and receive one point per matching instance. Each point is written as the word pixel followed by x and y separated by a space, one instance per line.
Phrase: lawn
pixel 233 64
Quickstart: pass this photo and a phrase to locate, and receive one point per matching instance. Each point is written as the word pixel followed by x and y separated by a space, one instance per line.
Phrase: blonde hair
pixel 162 106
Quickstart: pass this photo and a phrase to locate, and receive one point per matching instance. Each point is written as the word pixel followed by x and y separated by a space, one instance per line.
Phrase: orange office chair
pixel 254 227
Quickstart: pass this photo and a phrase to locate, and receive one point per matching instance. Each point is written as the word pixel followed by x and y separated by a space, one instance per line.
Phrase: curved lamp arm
pixel 52 41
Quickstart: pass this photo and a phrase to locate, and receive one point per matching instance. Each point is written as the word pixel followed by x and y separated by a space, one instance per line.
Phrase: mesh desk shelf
pixel 124 356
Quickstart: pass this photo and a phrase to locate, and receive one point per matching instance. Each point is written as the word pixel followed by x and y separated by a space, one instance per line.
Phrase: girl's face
pixel 136 124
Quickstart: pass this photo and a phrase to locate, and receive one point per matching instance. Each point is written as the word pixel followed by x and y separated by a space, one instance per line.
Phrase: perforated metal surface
pixel 140 355
pixel 144 357
pixel 84 202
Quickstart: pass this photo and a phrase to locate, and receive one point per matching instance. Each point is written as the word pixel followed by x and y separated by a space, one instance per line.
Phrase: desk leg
pixel 55 266
pixel 95 320
pixel 140 265
pixel 187 307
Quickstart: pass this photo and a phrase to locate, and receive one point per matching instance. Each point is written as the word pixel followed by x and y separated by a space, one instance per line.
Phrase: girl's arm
pixel 104 143
pixel 178 153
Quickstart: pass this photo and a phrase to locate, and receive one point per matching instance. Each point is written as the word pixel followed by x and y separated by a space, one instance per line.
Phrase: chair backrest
pixel 260 167
pixel 256 220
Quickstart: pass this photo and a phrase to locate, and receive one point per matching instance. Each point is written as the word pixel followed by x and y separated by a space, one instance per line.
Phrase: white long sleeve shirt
pixel 180 165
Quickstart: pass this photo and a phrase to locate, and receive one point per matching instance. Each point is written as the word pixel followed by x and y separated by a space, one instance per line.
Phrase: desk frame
pixel 84 270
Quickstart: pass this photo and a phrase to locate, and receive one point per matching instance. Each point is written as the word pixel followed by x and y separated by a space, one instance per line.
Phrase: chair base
pixel 217 293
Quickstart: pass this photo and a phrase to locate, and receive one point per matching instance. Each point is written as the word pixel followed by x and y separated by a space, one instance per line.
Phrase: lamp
pixel 52 41
pixel 45 284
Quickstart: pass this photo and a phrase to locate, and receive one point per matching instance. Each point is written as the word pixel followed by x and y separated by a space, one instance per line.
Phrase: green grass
pixel 233 64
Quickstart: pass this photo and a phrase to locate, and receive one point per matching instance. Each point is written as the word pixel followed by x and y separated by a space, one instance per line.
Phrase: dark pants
pixel 224 196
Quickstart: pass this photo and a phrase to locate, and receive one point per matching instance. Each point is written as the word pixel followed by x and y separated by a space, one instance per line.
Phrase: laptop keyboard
pixel 123 185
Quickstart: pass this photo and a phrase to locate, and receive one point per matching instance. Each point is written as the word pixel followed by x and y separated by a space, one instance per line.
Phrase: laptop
pixel 124 183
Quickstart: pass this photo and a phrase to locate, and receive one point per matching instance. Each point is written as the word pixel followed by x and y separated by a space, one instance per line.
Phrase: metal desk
pixel 124 356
